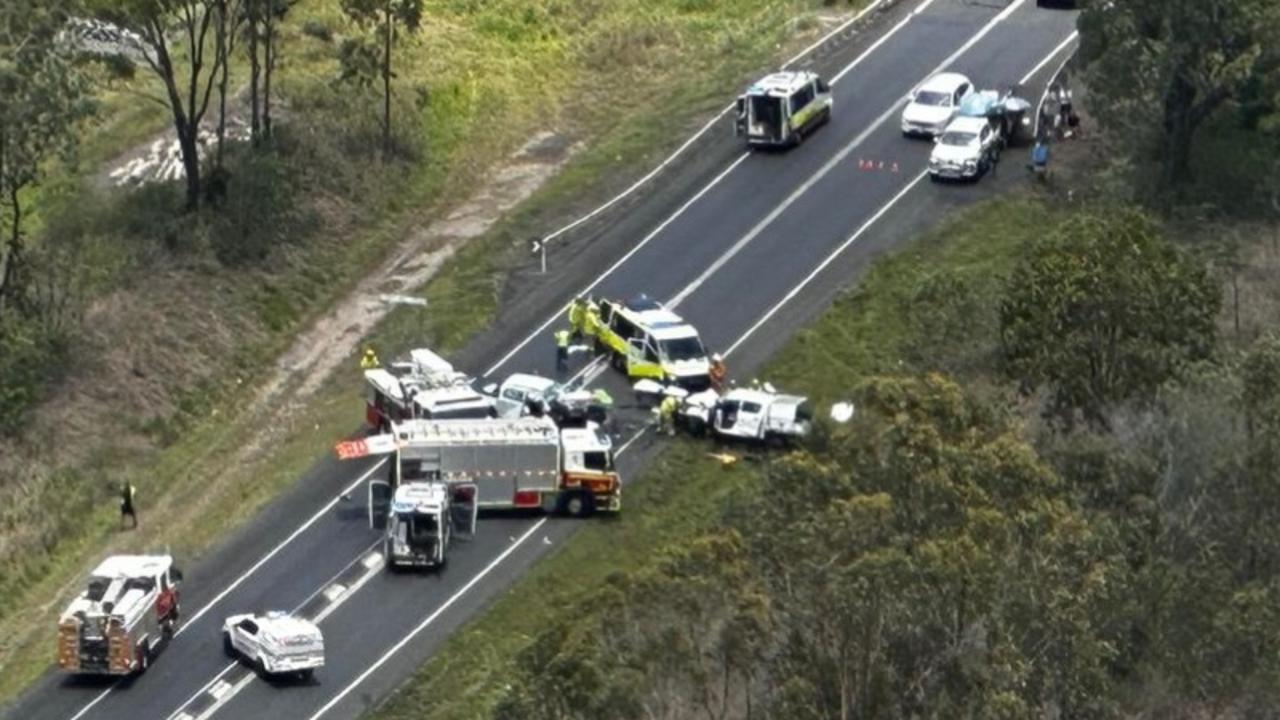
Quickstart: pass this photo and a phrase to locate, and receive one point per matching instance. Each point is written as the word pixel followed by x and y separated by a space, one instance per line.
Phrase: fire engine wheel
pixel 579 504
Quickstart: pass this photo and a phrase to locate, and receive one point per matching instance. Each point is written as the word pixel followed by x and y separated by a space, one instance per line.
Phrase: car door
pixel 244 637
pixel 511 402
pixel 750 419
pixel 642 359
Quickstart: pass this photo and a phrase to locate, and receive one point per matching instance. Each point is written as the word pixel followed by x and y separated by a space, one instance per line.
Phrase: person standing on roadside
pixel 127 493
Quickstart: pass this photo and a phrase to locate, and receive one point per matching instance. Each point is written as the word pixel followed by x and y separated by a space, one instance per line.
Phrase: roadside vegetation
pixel 1057 497
pixel 138 323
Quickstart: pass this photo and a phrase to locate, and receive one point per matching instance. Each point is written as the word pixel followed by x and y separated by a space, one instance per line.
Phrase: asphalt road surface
pixel 748 246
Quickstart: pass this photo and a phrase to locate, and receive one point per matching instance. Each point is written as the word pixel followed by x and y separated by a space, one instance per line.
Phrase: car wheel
pixel 261 667
pixel 144 658
pixel 227 648
pixel 307 675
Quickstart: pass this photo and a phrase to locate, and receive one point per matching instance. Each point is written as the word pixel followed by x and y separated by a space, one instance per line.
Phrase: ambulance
pixel 647 341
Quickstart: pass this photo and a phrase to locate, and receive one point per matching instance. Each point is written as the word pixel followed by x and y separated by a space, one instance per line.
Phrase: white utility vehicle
pixel 935 104
pixel 782 108
pixel 116 626
pixel 275 643
pixel 966 150
pixel 747 414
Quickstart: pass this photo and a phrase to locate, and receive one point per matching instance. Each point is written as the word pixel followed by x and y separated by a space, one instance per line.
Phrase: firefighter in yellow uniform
pixel 591 320
pixel 578 316
pixel 667 415
pixel 369 360
pixel 562 350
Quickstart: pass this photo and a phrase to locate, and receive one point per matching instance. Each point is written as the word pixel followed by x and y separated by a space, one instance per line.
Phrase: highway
pixel 727 236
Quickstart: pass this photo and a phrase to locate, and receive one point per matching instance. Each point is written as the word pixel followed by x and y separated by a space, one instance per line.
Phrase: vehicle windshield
pixel 929 97
pixel 598 460
pixel 687 348
pixel 957 138
pixel 422 528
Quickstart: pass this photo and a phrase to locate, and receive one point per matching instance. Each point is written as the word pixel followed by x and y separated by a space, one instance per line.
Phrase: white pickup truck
pixel 275 643
pixel 747 414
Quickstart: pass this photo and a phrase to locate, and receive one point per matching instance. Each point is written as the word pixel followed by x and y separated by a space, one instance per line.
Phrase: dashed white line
pixel 334 591
pixel 219 688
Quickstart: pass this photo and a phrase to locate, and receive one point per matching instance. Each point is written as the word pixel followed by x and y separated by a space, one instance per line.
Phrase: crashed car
pixel 966 150
pixel 275 643
pixel 761 414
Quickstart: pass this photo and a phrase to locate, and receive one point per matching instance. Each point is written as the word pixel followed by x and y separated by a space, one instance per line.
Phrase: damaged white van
pixel 780 109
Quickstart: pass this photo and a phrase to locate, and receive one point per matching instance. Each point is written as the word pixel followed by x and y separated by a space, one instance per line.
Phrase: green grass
pixel 867 331
pixel 589 71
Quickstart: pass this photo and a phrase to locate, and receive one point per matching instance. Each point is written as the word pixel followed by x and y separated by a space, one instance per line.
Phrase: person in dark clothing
pixel 127 492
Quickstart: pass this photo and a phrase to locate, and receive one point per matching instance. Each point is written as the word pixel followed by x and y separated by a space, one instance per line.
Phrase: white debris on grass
pixel 162 162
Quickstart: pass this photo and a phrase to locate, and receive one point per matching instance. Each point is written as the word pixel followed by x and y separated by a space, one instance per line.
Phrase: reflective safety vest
pixel 562 338
pixel 576 313
pixel 668 406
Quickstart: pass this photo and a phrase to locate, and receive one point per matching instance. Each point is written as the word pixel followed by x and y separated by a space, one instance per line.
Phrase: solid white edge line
pixel 697 135
pixel 1061 46
pixel 830 165
pixel 429 620
pixel 665 223
pixel 827 261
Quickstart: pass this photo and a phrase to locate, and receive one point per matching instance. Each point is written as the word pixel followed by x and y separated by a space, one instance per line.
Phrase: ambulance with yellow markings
pixel 782 108
pixel 647 341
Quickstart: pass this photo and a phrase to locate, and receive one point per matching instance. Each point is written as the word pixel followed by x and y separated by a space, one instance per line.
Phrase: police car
pixel 275 643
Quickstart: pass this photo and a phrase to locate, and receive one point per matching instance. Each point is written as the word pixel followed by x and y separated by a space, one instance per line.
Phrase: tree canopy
pixel 1103 309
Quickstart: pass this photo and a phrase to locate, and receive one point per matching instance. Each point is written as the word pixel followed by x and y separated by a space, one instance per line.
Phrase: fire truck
pixel 424 386
pixel 442 472
pixel 116 626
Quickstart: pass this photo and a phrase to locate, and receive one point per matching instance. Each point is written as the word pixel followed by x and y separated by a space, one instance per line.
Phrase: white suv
pixel 935 104
pixel 965 151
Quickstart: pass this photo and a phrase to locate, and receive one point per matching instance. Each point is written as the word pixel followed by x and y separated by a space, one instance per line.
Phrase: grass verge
pixel 868 330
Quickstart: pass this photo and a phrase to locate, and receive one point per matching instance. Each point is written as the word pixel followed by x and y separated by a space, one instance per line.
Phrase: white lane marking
pixel 645 241
pixel 882 40
pixel 672 218
pixel 183 716
pixel 219 688
pixel 701 131
pixel 429 619
pixel 823 265
pixel 372 560
pixel 334 591
pixel 244 576
pixel 230 692
pixel 1061 46
pixel 1045 95
pixel 830 165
